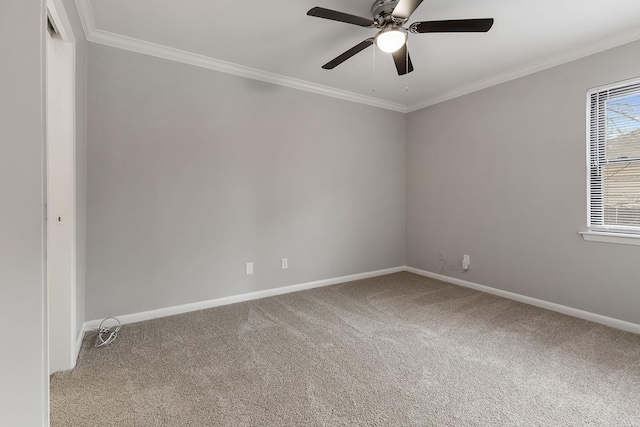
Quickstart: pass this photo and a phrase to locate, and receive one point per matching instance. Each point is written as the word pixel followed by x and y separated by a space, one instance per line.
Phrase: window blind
pixel 614 158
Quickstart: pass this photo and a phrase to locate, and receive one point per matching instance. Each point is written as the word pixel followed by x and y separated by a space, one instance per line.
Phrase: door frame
pixel 66 355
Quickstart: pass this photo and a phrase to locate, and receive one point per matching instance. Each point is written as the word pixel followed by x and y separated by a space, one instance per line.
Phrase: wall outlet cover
pixel 465 262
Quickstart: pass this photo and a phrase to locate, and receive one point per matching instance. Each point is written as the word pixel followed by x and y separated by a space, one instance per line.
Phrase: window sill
pixel 607 237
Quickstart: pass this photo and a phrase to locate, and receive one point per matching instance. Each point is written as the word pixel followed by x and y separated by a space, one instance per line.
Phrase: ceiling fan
pixel 389 16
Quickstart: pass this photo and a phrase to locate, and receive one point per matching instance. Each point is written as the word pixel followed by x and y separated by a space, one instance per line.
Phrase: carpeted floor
pixel 397 350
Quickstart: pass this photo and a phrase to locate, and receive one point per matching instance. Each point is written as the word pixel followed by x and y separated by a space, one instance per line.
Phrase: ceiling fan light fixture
pixel 391 39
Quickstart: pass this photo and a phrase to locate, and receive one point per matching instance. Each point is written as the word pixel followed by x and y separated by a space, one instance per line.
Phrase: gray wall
pixel 192 173
pixel 500 175
pixel 23 362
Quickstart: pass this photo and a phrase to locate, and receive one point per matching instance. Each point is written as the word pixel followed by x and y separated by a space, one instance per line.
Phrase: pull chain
pixel 406 61
pixel 373 88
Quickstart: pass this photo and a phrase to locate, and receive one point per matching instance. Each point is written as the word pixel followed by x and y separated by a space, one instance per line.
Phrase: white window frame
pixel 599 232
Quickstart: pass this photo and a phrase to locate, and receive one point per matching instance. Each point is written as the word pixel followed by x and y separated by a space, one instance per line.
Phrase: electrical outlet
pixel 442 255
pixel 285 263
pixel 465 262
pixel 249 268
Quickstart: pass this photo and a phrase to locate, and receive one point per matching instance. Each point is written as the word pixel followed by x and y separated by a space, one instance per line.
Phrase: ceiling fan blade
pixel 401 57
pixel 334 15
pixel 453 26
pixel 348 54
pixel 405 8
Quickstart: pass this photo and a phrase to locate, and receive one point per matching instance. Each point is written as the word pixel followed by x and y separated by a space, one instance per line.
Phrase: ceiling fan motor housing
pixel 382 10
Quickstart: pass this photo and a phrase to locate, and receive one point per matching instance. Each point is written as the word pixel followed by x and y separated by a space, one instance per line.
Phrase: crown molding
pixel 140 46
pixel 135 45
pixel 610 43
pixel 147 48
pixel 86 17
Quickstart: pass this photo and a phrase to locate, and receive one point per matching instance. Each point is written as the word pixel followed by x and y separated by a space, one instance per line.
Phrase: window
pixel 614 159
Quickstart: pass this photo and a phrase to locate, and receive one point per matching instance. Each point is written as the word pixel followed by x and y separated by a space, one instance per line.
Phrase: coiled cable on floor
pixel 111 333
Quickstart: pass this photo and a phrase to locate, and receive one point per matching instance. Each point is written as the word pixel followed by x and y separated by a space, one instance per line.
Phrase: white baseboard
pixel 597 318
pixel 93 325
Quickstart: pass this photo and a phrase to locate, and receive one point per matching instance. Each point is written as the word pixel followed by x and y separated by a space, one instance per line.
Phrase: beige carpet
pixel 397 350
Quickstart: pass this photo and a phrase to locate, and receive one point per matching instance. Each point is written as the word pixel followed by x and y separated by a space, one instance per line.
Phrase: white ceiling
pixel 276 41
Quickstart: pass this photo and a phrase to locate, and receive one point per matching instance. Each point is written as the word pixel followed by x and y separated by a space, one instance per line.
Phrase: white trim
pixel 613 86
pixel 60 17
pixel 186 308
pixel 587 126
pixel 61 20
pixel 605 237
pixel 597 318
pixel 86 17
pixel 44 373
pixel 79 341
pixel 92 325
pixel 74 203
pixel 135 45
pixel 532 68
pixel 190 58
pixel 147 48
